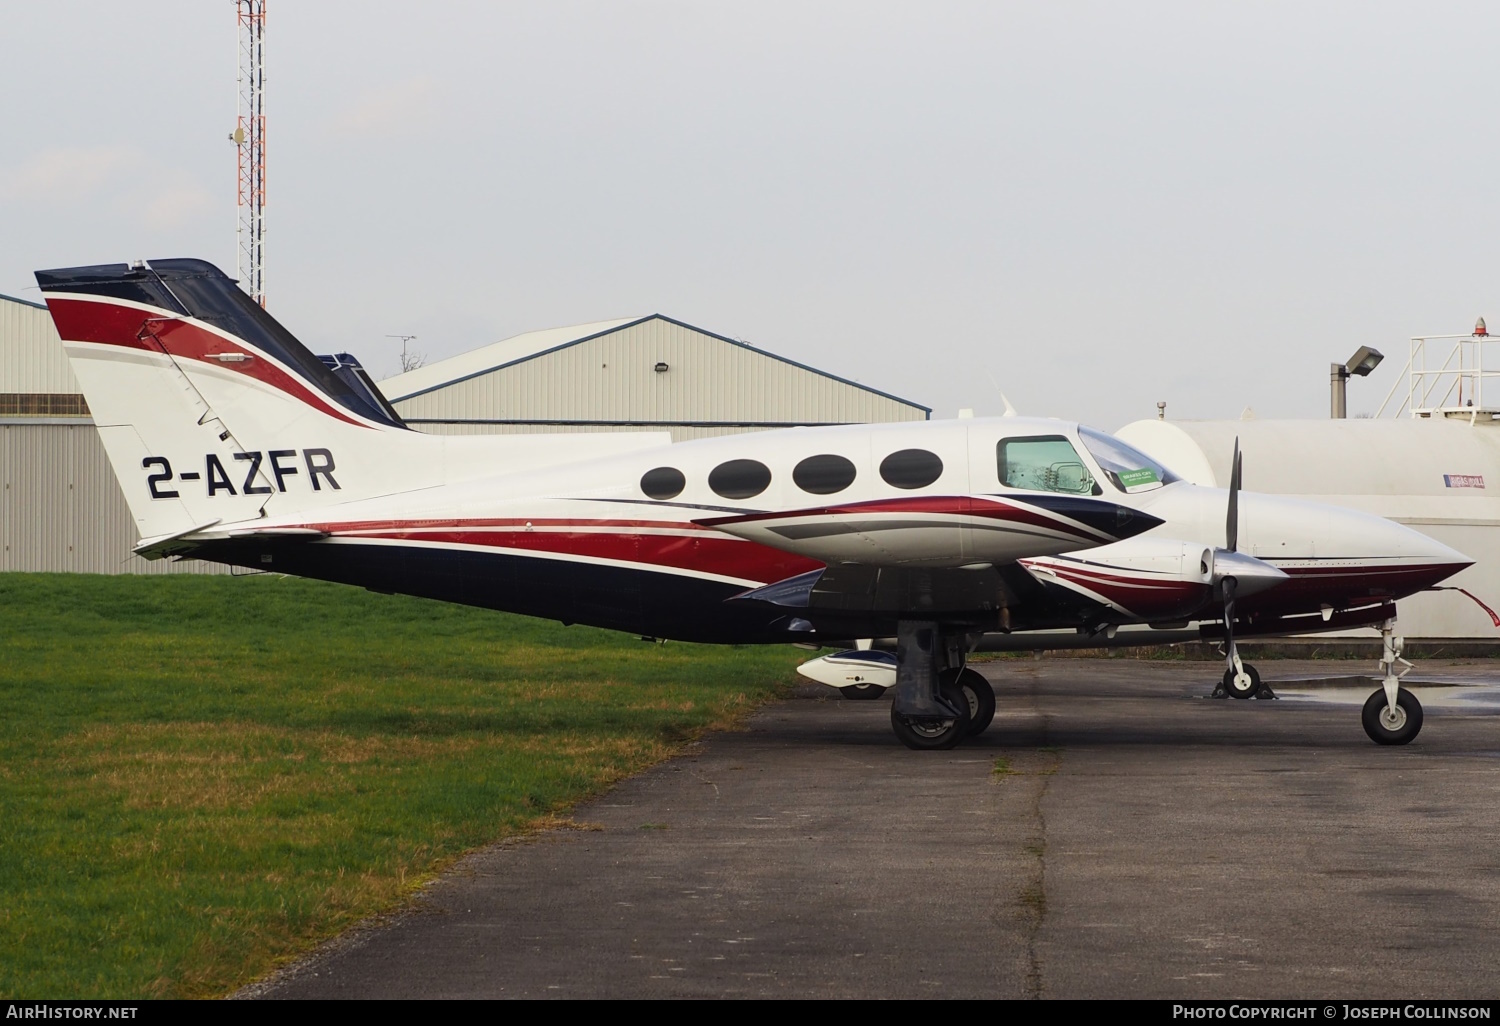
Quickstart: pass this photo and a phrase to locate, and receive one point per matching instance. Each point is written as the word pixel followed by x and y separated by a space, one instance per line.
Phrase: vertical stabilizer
pixel 209 409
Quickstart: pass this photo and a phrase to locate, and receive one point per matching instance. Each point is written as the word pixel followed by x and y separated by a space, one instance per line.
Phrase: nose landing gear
pixel 1392 715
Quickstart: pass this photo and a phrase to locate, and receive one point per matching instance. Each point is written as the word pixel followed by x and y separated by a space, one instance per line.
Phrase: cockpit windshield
pixel 1129 469
pixel 1044 463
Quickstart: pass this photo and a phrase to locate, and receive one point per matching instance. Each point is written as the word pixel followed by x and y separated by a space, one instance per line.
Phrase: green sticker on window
pixel 1135 478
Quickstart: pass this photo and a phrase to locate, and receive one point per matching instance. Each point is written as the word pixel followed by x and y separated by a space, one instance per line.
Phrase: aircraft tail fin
pixel 210 410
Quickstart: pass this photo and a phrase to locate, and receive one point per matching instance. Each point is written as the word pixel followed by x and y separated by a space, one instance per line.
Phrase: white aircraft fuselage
pixel 235 444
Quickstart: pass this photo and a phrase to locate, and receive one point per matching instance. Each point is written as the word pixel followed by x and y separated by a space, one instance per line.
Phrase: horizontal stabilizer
pixel 166 544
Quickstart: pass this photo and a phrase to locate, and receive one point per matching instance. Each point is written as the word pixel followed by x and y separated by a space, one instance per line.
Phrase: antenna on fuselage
pixel 1010 411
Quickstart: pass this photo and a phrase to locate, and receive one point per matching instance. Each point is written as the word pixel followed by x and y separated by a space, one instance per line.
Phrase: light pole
pixel 1361 363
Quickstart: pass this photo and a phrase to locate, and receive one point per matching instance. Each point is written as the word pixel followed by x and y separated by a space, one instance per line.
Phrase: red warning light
pixel 1479 328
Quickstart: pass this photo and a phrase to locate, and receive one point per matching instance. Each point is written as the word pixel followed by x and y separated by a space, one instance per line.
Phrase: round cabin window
pixel 740 479
pixel 911 468
pixel 663 483
pixel 824 475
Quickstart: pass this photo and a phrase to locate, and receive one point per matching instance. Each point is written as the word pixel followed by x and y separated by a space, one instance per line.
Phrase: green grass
pixel 202 776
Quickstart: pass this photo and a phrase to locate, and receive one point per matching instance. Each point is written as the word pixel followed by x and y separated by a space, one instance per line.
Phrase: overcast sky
pixel 1088 206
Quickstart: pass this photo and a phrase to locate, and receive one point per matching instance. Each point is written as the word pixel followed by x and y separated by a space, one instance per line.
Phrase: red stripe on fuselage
pixel 1144 598
pixel 688 548
pixel 107 324
pixel 1088 575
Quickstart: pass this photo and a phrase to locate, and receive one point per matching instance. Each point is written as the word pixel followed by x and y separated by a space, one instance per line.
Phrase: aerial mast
pixel 250 142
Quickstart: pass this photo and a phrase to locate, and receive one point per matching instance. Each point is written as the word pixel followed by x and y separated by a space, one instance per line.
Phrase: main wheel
pixel 981 700
pixel 1386 728
pixel 1251 687
pixel 934 735
pixel 862 692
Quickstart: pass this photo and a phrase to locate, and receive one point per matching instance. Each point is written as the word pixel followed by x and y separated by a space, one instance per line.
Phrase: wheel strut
pixel 930 710
pixel 1392 714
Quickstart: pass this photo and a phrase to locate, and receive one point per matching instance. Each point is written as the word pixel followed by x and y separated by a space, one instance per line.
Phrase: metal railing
pixel 1452 387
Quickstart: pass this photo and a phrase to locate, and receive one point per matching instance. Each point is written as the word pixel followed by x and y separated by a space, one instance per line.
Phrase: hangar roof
pixel 494 356
pixel 532 344
pixel 23 302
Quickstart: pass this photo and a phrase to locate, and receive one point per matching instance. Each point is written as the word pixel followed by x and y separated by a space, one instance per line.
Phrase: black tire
pixel 934 735
pixel 1251 691
pixel 1378 724
pixel 981 700
pixel 862 692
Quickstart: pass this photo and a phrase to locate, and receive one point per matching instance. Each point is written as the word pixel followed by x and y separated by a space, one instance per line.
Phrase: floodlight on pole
pixel 1360 364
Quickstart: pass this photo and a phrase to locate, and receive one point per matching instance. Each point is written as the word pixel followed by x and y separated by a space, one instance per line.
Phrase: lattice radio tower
pixel 250 142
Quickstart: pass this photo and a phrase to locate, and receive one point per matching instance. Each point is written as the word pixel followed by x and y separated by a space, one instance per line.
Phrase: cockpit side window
pixel 1044 463
pixel 1128 469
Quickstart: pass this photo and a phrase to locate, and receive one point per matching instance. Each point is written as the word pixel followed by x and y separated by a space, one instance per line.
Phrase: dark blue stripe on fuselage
pixel 662 605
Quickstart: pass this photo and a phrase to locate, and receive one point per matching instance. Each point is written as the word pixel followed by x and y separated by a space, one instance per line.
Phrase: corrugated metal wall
pixel 31 355
pixel 61 508
pixel 711 387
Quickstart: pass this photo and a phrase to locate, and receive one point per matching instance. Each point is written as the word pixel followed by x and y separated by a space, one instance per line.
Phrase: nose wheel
pixel 1392 726
pixel 1392 715
pixel 1242 681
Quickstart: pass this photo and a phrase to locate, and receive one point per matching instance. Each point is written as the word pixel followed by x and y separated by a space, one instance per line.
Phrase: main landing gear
pixel 939 701
pixel 1392 715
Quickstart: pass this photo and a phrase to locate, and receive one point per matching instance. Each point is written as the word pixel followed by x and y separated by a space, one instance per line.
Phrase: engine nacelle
pixel 1153 579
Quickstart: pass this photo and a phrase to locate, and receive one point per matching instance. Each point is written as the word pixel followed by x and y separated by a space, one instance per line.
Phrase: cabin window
pixel 1044 463
pixel 740 479
pixel 911 468
pixel 1127 468
pixel 824 475
pixel 663 483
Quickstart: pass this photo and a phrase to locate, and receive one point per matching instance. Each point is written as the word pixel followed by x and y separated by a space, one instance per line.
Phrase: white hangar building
pixel 61 508
pixel 634 374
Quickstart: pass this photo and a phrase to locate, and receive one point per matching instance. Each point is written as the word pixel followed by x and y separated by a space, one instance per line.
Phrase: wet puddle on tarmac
pixel 1460 694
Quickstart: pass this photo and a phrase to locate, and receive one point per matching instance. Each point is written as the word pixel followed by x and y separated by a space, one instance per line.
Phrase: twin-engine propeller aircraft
pixel 234 443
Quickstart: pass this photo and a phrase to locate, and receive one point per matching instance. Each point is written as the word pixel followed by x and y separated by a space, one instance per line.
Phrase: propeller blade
pixel 1228 585
pixel 1232 521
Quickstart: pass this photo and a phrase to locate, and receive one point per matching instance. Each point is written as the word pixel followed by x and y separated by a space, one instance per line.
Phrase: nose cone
pixel 1334 555
pixel 1346 555
pixel 1361 538
pixel 1430 562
